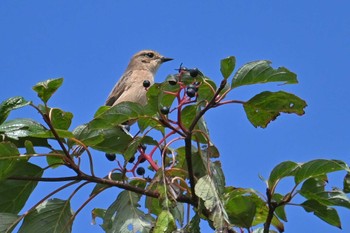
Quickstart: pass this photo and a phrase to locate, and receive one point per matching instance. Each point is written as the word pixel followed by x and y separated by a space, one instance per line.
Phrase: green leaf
pixel 123 215
pixel 193 225
pixel 326 213
pixel 241 211
pixel 206 190
pixel 135 144
pixel 158 96
pixel 346 183
pixel 29 147
pixel 60 119
pixel 51 216
pixel 97 213
pixel 318 167
pixel 267 106
pixel 116 115
pixel 8 158
pixel 327 198
pixel 227 65
pixel 282 170
pixel 15 193
pixel 7 219
pixel 262 72
pixel 112 140
pixel 165 223
pixel 10 104
pixel 188 114
pixel 47 88
pixel 206 90
pixel 178 212
pixel 21 127
pixel 53 160
pixel 313 185
pixel 49 135
pixel 280 210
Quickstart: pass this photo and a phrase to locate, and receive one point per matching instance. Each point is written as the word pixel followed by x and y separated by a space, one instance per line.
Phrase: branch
pixel 188 154
pixel 111 183
pixel 211 104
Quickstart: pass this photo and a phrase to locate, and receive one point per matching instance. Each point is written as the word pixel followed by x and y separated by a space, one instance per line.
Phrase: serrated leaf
pixel 8 158
pixel 267 106
pixel 15 193
pixel 51 216
pixel 7 219
pixel 10 104
pixel 47 88
pixel 227 65
pixel 60 119
pixel 282 170
pixel 326 213
pixel 346 183
pixel 165 223
pixel 318 167
pixel 123 215
pixel 262 72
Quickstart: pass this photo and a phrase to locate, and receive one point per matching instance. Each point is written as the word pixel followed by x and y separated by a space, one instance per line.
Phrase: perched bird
pixel 130 87
pixel 142 66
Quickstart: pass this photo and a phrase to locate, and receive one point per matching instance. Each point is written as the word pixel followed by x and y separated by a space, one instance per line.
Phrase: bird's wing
pixel 118 89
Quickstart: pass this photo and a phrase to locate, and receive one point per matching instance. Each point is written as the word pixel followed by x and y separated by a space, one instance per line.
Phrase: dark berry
pixel 132 159
pixel 196 83
pixel 194 72
pixel 142 160
pixel 140 171
pixel 111 157
pixel 164 110
pixel 191 92
pixel 146 83
pixel 172 82
pixel 193 87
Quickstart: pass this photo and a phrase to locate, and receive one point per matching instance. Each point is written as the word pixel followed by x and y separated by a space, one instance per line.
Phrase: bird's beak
pixel 165 59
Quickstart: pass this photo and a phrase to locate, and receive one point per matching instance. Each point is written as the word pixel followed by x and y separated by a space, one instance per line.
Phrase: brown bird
pixel 142 66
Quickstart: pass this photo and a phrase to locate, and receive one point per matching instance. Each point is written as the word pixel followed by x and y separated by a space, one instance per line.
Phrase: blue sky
pixel 89 43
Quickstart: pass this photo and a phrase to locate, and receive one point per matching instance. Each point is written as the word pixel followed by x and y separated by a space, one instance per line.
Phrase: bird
pixel 142 66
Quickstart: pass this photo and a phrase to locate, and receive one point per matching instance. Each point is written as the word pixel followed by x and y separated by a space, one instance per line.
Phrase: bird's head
pixel 147 60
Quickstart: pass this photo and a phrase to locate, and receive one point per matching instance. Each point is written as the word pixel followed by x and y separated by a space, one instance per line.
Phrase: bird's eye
pixel 150 55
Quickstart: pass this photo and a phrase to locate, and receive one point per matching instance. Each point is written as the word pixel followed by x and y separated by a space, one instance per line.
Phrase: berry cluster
pixel 189 82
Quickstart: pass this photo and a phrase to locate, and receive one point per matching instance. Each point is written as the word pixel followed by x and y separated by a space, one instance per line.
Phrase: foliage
pixel 177 175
